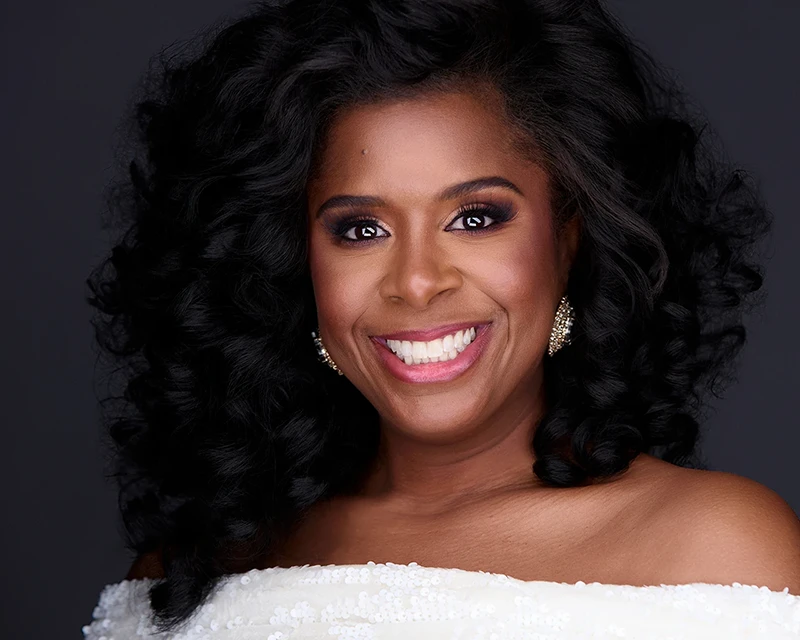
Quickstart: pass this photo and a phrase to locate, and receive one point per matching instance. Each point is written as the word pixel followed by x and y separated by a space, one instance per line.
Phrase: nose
pixel 419 272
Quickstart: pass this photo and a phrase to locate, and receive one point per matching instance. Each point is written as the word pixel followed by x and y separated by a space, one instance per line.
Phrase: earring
pixel 323 354
pixel 559 335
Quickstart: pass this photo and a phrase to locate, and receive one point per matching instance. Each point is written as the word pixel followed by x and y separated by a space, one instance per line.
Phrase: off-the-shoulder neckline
pixel 286 571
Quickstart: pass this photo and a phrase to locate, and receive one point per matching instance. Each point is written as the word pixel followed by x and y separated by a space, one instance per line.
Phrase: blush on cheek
pixel 520 274
pixel 344 288
pixel 521 278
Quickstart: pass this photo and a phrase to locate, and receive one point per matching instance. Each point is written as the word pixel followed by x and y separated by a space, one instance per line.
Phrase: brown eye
pixel 475 222
pixel 355 229
pixel 363 231
pixel 476 218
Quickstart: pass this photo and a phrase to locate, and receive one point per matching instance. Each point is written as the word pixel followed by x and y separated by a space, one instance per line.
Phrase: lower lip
pixel 435 371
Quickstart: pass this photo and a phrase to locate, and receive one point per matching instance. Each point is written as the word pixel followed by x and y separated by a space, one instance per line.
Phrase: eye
pixel 356 230
pixel 361 231
pixel 474 218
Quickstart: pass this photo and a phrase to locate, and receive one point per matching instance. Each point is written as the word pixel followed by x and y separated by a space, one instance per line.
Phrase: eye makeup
pixel 354 228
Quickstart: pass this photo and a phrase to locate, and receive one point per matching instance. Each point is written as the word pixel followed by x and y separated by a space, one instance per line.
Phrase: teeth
pixel 439 350
pixel 435 348
pixel 448 343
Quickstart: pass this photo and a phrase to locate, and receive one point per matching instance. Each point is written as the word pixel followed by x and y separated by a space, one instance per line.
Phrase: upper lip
pixel 426 335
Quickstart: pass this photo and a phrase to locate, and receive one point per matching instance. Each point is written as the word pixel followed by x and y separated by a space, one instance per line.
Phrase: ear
pixel 568 242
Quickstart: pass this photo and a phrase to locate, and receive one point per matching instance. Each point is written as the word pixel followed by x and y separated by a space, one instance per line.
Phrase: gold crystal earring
pixel 323 354
pixel 560 334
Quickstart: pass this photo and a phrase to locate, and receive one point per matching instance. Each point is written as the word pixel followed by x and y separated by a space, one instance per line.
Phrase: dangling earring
pixel 559 335
pixel 323 354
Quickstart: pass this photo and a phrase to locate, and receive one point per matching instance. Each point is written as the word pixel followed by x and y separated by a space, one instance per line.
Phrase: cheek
pixel 341 289
pixel 522 276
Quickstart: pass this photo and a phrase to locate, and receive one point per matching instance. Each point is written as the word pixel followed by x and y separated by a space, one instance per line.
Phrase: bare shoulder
pixel 147 565
pixel 724 528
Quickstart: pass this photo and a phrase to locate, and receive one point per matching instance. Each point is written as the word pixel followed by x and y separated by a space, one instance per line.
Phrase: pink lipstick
pixel 433 371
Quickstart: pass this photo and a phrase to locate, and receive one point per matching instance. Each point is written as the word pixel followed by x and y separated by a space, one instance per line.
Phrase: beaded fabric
pixel 398 601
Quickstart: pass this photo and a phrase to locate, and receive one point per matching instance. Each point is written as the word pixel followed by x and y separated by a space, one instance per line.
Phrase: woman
pixel 432 291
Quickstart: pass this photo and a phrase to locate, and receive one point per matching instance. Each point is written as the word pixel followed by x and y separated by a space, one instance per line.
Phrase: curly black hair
pixel 227 429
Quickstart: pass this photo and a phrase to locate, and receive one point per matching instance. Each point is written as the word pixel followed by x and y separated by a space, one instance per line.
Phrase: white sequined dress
pixel 412 602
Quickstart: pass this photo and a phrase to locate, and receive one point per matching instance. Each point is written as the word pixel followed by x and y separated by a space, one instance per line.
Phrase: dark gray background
pixel 68 68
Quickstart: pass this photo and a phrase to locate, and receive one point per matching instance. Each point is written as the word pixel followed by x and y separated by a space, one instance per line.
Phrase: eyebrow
pixel 450 193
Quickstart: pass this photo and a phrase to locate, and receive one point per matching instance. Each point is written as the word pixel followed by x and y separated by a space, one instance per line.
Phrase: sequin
pixel 394 601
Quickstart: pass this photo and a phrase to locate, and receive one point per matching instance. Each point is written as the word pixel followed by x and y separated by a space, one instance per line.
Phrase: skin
pixel 453 485
pixel 455 460
pixel 444 441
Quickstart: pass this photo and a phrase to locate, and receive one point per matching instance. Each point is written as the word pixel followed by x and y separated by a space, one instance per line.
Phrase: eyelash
pixel 500 213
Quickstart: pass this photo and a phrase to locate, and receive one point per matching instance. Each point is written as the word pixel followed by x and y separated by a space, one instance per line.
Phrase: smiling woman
pixel 497 223
pixel 443 233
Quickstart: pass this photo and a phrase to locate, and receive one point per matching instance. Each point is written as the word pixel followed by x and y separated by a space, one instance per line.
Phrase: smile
pixel 438 360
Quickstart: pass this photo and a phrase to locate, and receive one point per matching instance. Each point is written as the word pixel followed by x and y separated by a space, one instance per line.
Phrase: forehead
pixel 429 140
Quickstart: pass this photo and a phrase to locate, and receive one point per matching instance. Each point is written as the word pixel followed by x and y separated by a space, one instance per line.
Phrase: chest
pixel 558 540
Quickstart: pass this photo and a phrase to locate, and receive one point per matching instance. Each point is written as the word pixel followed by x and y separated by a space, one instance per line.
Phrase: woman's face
pixel 424 223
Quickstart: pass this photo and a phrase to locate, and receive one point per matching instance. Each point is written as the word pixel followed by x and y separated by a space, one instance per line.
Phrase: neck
pixel 424 478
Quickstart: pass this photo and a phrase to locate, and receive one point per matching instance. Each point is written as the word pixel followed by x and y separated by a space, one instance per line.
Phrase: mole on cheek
pixel 363 152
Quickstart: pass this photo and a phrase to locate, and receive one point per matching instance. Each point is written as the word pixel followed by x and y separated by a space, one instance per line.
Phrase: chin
pixel 440 426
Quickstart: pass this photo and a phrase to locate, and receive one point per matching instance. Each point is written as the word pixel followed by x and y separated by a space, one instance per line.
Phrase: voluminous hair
pixel 226 428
